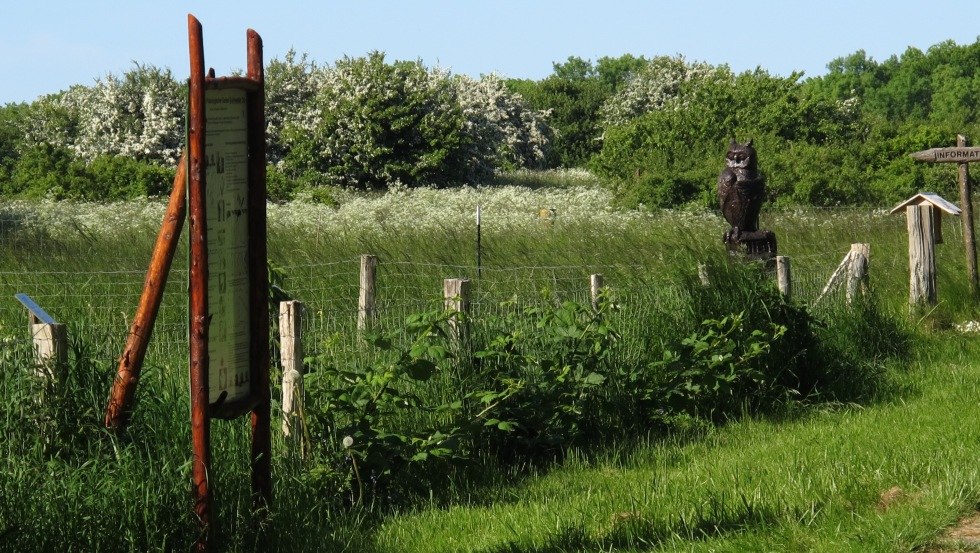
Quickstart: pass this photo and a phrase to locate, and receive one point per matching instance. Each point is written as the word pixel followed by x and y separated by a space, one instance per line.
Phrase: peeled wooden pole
pixel 120 405
pixel 197 231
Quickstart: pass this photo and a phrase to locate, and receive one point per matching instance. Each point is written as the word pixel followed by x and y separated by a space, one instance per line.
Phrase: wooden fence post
pixel 50 350
pixel 703 274
pixel 291 355
pixel 456 292
pixel 50 340
pixel 366 310
pixel 857 274
pixel 595 289
pixel 922 256
pixel 784 276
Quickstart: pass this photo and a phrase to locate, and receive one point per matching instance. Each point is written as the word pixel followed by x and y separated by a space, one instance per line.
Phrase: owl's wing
pixel 726 180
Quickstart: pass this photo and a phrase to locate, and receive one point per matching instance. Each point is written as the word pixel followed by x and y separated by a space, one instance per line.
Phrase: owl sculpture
pixel 741 190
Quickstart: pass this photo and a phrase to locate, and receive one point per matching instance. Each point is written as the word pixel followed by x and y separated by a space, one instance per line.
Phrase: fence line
pixel 98 306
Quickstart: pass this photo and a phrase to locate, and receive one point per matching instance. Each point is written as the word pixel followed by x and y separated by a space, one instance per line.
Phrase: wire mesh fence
pixel 98 306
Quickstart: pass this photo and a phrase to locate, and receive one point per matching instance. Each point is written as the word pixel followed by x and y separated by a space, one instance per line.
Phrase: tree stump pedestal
pixel 757 245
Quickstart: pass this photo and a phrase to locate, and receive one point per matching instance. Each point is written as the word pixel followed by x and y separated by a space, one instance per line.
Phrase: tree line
pixel 654 129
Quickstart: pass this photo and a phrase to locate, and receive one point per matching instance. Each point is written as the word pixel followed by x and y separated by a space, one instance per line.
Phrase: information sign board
pixel 226 163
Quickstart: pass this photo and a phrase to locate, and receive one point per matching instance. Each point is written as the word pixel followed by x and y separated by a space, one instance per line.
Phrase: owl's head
pixel 741 156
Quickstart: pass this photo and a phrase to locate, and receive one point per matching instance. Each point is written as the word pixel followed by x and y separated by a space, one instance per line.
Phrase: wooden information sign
pixel 229 313
pixel 963 155
pixel 220 186
pixel 227 236
pixel 948 155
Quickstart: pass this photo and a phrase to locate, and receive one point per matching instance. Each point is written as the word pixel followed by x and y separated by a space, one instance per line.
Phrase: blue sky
pixel 49 45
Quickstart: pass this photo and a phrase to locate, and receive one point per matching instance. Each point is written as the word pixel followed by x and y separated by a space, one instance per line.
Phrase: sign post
pixel 962 155
pixel 229 319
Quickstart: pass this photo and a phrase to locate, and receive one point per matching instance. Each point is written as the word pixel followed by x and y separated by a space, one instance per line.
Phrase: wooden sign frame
pixel 257 400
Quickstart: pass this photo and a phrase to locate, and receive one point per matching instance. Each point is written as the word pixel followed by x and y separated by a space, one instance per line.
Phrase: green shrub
pixel 550 366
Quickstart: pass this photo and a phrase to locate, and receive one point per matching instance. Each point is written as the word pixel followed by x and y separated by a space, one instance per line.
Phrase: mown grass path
pixel 884 477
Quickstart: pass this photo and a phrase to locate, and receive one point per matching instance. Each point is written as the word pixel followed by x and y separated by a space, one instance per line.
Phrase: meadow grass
pixel 807 480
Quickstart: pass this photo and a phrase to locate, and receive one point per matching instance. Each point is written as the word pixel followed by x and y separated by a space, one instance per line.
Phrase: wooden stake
pixel 291 354
pixel 366 299
pixel 857 275
pixel 121 397
pixel 595 289
pixel 259 280
pixel 51 351
pixel 784 276
pixel 456 292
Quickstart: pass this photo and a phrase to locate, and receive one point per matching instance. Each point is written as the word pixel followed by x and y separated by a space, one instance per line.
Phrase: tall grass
pixel 66 484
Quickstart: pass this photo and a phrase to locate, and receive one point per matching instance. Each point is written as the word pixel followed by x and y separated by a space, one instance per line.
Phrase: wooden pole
pixel 595 289
pixel 966 206
pixel 922 256
pixel 197 230
pixel 857 274
pixel 291 355
pixel 120 405
pixel 456 292
pixel 366 310
pixel 259 280
pixel 784 276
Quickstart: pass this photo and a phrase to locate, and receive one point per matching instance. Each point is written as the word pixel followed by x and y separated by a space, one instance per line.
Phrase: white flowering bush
pixel 502 130
pixel 660 85
pixel 139 115
pixel 380 123
pixel 290 89
pixel 370 124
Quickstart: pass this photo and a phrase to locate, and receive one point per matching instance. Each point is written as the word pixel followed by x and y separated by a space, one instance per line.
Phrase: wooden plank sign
pixel 966 154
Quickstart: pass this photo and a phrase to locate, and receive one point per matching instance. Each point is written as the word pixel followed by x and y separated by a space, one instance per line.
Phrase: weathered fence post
pixel 595 289
pixel 366 310
pixel 784 276
pixel 703 275
pixel 51 350
pixel 857 274
pixel 291 355
pixel 922 256
pixel 456 292
pixel 50 341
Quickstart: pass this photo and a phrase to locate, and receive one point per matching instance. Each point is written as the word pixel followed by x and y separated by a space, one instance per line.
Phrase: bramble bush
pixel 532 381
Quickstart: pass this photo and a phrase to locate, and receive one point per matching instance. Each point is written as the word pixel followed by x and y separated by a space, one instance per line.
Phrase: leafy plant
pixel 716 369
pixel 357 416
pixel 553 364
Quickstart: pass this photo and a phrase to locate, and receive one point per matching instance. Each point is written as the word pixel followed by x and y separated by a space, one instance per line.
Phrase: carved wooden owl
pixel 741 189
